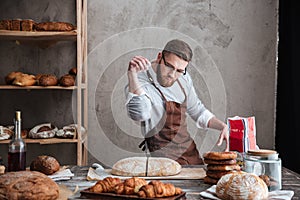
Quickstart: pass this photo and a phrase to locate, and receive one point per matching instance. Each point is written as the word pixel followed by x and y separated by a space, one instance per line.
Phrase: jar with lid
pixel 266 164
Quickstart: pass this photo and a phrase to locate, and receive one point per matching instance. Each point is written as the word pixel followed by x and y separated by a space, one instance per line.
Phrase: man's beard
pixel 164 80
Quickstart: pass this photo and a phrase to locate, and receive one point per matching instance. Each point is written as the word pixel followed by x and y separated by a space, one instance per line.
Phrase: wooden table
pixel 290 181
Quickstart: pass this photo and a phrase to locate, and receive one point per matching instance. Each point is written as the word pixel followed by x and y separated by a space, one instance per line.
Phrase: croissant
pixel 106 185
pixel 130 186
pixel 159 189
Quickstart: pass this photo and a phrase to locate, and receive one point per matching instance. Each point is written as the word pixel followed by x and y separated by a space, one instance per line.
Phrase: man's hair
pixel 179 48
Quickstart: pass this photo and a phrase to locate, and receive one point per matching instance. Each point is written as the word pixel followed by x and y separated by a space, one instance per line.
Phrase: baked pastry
pixel 218 174
pixel 54 26
pixel 130 186
pixel 241 185
pixel 24 80
pixel 47 80
pixel 106 185
pixel 46 164
pixel 5 133
pixel 136 166
pixel 156 189
pixel 5 24
pixel 16 25
pixel 223 167
pixel 27 185
pixel 46 130
pixel 2 169
pixel 73 71
pixel 9 78
pixel 219 164
pixel 210 180
pixel 67 80
pixel 27 25
pixel 214 155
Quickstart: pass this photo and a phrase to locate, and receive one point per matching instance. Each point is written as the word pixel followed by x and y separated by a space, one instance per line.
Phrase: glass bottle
pixel 17 148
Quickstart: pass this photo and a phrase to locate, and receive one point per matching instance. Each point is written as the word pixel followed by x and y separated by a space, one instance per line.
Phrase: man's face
pixel 169 69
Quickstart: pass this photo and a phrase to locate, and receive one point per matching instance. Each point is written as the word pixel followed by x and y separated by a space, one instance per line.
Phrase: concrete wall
pixel 234 67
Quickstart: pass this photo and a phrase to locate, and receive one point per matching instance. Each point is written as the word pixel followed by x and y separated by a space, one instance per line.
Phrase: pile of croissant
pixel 135 186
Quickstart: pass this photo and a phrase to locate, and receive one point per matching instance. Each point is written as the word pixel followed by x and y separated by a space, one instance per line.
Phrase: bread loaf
pixel 54 26
pixel 67 80
pixel 47 80
pixel 46 164
pixel 241 185
pixel 27 185
pixel 136 166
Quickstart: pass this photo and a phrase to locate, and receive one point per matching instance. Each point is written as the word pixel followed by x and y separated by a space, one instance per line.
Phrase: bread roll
pixel 54 26
pixel 214 155
pixel 27 185
pixel 136 166
pixel 46 164
pixel 47 80
pixel 67 80
pixel 240 185
pixel 24 80
pixel 9 78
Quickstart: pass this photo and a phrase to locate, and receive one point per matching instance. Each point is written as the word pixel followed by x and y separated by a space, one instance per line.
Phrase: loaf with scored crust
pixel 136 166
pixel 27 185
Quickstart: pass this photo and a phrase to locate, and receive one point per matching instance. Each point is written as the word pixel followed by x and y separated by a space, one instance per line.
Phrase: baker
pixel 159 95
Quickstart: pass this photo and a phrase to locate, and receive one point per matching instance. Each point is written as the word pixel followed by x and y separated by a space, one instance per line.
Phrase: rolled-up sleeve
pixel 138 106
pixel 196 109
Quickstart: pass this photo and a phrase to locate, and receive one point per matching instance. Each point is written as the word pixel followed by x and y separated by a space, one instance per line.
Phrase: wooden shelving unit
pixel 45 39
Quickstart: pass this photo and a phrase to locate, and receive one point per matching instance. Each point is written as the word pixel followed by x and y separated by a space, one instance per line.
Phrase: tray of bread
pixel 132 188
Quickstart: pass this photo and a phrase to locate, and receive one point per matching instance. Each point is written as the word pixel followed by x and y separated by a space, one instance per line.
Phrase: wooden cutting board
pixel 186 173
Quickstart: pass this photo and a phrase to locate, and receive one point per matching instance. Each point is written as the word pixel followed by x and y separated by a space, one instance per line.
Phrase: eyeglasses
pixel 171 67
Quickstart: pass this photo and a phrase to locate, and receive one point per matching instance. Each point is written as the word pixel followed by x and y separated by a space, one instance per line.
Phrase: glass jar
pixel 267 167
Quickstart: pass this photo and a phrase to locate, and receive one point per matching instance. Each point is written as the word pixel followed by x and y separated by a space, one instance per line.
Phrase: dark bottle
pixel 17 148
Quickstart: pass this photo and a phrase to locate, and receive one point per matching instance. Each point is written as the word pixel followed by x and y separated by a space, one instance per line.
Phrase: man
pixel 160 94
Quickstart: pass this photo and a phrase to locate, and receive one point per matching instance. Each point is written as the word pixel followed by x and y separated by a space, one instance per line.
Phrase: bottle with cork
pixel 17 148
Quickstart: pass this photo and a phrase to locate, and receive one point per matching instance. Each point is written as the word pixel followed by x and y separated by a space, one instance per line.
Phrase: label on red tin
pixel 242 134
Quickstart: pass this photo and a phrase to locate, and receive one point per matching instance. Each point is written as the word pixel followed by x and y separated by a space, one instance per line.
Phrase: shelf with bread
pixel 38 36
pixel 44 141
pixel 71 30
pixel 35 87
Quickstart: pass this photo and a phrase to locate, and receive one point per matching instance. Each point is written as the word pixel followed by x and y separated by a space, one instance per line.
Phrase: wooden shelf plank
pixel 44 141
pixel 13 87
pixel 38 36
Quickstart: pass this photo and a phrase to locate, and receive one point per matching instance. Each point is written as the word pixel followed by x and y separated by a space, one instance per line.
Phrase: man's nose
pixel 172 73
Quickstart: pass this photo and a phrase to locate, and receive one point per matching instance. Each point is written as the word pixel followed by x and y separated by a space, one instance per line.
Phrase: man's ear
pixel 159 56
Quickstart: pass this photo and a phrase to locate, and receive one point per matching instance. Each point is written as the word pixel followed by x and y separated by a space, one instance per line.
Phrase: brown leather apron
pixel 173 140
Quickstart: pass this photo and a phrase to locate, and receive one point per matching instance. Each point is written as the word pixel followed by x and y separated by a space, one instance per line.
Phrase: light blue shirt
pixel 149 106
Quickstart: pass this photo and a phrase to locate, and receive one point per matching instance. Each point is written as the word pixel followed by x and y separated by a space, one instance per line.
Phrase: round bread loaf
pixel 27 185
pixel 67 80
pixel 223 167
pixel 73 71
pixel 214 155
pixel 136 166
pixel 45 164
pixel 9 78
pixel 220 162
pixel 47 80
pixel 24 80
pixel 241 185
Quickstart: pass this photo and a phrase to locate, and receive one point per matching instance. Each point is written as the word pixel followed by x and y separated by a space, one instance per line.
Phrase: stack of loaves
pixel 219 164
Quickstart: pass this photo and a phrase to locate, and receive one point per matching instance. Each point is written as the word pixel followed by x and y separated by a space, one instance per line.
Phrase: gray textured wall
pixel 234 67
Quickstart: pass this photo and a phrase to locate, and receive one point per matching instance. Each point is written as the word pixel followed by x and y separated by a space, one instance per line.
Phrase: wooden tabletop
pixel 290 181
